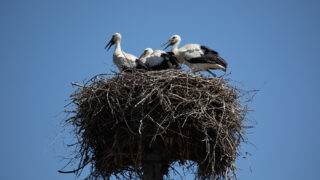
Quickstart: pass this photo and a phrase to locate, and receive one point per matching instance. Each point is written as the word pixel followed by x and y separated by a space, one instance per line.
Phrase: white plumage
pixel 152 58
pixel 190 51
pixel 197 57
pixel 124 61
pixel 145 55
pixel 158 60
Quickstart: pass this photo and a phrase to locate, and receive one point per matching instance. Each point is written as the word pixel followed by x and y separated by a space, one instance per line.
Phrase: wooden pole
pixel 152 161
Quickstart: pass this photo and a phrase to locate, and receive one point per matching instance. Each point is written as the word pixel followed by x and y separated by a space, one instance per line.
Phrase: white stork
pixel 196 56
pixel 159 60
pixel 124 61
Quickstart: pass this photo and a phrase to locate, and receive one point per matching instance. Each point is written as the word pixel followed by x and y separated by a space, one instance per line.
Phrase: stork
pixel 196 56
pixel 159 60
pixel 124 61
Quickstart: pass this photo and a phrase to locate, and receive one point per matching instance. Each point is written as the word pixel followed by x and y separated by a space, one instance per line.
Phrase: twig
pixel 76 84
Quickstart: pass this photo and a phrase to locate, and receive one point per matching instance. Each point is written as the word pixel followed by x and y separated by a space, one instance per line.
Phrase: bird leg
pixel 190 71
pixel 194 71
pixel 213 74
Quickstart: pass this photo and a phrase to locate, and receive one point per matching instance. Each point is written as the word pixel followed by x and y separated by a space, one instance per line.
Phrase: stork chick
pixel 196 56
pixel 124 61
pixel 159 60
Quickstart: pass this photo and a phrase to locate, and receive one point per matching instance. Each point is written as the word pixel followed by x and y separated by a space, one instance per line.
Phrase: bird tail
pixel 223 63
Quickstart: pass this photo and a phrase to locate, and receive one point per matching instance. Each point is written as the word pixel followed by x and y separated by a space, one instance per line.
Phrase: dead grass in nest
pixel 200 121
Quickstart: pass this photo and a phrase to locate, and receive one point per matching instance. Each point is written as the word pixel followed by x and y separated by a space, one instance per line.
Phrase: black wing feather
pixel 169 62
pixel 207 50
pixel 140 65
pixel 210 59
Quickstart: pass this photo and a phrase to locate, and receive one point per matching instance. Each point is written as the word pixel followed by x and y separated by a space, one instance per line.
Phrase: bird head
pixel 146 52
pixel 173 40
pixel 115 37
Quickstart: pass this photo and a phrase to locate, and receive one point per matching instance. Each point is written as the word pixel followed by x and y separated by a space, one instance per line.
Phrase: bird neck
pixel 144 60
pixel 175 47
pixel 118 47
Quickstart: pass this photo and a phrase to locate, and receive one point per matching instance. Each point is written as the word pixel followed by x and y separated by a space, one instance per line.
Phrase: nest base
pixel 124 122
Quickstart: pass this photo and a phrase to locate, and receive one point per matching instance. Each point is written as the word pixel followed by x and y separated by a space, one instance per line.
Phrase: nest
pixel 197 120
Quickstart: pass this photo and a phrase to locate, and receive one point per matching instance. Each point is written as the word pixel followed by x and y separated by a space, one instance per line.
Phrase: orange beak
pixel 141 56
pixel 167 45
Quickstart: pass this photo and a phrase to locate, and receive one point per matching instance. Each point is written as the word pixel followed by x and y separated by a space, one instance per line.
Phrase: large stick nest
pixel 198 119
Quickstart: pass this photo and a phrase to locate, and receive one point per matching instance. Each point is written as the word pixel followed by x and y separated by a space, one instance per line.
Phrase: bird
pixel 197 57
pixel 124 61
pixel 159 60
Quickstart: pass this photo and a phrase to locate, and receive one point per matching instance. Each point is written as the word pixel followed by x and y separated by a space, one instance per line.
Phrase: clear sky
pixel 272 45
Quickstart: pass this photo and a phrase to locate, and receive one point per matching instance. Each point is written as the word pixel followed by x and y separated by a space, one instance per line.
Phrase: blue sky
pixel 270 45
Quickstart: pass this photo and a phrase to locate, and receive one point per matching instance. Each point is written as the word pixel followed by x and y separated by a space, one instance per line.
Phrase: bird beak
pixel 141 56
pixel 167 45
pixel 110 43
